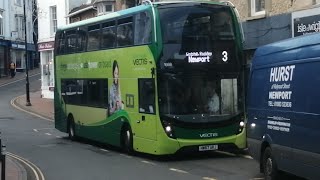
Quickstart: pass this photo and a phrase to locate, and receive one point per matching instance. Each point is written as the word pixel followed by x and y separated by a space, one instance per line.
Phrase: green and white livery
pixel 157 78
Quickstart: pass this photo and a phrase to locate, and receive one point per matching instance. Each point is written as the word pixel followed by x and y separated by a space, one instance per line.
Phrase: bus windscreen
pixel 199 72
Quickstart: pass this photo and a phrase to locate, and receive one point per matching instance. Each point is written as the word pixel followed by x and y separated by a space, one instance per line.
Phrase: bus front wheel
pixel 71 131
pixel 127 140
pixel 269 165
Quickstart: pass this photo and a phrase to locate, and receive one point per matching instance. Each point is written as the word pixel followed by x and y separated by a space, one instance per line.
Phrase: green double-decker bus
pixel 158 78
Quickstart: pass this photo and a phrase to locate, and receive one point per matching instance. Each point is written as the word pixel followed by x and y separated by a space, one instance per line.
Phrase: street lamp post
pixel 28 103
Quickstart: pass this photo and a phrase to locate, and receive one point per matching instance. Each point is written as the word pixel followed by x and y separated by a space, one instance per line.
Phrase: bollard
pixel 3 162
pixel 2 159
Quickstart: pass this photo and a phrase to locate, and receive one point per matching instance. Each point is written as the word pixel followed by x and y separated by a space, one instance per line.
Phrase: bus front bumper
pixel 168 145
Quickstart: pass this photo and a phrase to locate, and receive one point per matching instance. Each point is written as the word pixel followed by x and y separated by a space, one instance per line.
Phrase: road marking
pixel 34 114
pixel 35 130
pixel 257 178
pixel 178 170
pixel 247 156
pixel 209 178
pixel 58 136
pixel 44 128
pixel 23 79
pixel 104 150
pixel 37 172
pixel 226 153
pixel 124 155
pixel 148 162
pixel 48 134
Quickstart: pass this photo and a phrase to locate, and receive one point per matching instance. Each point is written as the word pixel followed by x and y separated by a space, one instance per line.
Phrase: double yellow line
pixel 36 171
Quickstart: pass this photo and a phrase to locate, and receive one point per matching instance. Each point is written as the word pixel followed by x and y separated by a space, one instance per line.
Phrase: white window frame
pixel 19 23
pixel 1 23
pixel 53 20
pixel 253 9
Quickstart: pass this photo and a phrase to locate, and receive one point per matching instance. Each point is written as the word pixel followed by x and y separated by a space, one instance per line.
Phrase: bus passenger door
pixel 146 120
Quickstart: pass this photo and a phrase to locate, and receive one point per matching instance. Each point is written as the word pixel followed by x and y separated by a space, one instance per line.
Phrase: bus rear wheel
pixel 127 140
pixel 269 165
pixel 71 131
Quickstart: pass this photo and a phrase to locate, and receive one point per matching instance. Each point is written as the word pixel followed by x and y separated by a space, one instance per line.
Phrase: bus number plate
pixel 208 148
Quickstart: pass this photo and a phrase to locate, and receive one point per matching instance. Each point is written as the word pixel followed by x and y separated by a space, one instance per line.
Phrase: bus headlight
pixel 168 129
pixel 241 126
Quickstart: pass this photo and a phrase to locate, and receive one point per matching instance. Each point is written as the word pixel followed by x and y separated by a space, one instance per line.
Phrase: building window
pixel 257 7
pixel 18 2
pixel 20 26
pixel 1 23
pixel 53 19
pixel 108 8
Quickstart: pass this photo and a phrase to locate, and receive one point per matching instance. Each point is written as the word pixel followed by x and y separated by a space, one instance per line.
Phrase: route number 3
pixel 224 56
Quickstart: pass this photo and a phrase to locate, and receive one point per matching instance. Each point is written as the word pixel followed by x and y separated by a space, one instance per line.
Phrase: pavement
pixel 41 107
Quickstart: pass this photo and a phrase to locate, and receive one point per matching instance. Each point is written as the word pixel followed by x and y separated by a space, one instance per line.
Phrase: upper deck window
pixel 125 32
pixel 143 28
pixel 93 37
pixel 196 24
pixel 108 36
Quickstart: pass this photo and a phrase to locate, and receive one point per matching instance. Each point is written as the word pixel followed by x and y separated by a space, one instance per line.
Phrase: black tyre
pixel 71 130
pixel 269 165
pixel 127 140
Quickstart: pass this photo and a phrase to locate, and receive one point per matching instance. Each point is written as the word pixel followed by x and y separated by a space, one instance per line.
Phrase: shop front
pixel 47 69
pixel 305 22
pixel 18 51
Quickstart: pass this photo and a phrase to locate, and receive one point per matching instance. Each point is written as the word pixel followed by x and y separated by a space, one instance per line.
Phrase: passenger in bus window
pixel 213 105
pixel 115 102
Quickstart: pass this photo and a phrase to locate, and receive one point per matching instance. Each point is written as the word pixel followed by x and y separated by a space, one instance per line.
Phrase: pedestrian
pixel 12 68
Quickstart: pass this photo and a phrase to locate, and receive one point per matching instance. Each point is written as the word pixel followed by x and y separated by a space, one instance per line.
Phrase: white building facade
pixel 12 35
pixel 51 15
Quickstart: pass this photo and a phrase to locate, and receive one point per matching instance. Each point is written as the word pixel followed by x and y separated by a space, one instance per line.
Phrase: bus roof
pixel 302 47
pixel 106 16
pixel 135 9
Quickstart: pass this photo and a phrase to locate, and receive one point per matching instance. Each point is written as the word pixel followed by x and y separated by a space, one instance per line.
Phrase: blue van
pixel 284 107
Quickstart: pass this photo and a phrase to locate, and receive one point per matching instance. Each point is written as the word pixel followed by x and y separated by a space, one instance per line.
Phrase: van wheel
pixel 71 131
pixel 127 140
pixel 269 165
